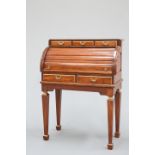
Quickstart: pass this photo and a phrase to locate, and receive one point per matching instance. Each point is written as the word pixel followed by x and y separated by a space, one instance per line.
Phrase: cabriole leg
pixel 117 113
pixel 58 108
pixel 45 107
pixel 110 122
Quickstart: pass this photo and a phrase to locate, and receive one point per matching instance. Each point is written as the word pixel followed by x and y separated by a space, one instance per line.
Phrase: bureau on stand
pixel 83 65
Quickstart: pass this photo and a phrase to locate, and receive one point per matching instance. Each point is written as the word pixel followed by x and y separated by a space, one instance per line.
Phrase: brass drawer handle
pixel 93 79
pixel 58 77
pixel 82 43
pixel 61 43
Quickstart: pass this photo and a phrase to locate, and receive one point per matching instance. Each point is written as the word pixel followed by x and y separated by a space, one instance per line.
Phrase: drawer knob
pixel 82 43
pixel 93 79
pixel 61 43
pixel 58 77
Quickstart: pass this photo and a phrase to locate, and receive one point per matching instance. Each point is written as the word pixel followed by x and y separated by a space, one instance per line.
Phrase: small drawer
pixel 94 79
pixel 59 78
pixel 83 43
pixel 60 43
pixel 111 44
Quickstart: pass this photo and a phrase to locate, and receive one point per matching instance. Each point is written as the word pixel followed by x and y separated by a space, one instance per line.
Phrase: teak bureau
pixel 86 65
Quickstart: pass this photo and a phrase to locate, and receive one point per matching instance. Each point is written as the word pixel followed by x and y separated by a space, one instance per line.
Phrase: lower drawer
pixel 59 78
pixel 94 79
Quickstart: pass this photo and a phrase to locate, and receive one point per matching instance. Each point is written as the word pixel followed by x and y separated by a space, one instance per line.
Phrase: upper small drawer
pixel 111 44
pixel 83 43
pixel 60 43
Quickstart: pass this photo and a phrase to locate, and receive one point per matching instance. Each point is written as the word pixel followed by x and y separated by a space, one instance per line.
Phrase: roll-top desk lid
pixel 82 56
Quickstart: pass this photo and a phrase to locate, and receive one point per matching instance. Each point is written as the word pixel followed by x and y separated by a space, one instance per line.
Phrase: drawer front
pixel 112 44
pixel 94 80
pixel 60 43
pixel 59 78
pixel 83 43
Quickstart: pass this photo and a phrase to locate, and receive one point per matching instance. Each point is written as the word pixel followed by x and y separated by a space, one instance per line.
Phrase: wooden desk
pixel 86 65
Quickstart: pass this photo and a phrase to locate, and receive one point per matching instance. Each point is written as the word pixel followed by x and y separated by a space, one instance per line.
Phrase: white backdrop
pixel 84 115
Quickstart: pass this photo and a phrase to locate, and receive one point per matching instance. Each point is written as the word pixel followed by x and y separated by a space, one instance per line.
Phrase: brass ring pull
pixel 58 77
pixel 61 43
pixel 105 43
pixel 82 43
pixel 93 79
